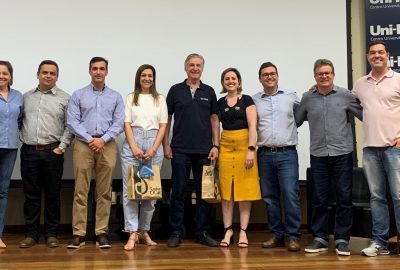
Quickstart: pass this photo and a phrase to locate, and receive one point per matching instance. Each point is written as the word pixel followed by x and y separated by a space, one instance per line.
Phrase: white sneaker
pixel 374 249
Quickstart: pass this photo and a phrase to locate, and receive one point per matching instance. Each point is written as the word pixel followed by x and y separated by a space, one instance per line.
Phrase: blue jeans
pixel 135 220
pixel 324 170
pixel 181 164
pixel 382 168
pixel 279 174
pixel 7 160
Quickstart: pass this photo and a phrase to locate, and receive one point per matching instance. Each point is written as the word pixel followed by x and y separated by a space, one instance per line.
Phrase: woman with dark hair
pixel 11 106
pixel 237 159
pixel 146 118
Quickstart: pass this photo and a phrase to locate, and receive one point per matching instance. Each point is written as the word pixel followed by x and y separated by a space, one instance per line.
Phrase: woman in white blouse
pixel 146 118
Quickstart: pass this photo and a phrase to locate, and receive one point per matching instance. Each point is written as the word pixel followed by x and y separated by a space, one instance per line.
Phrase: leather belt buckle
pixel 275 149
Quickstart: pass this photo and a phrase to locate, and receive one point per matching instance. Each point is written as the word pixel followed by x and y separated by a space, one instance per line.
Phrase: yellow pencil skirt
pixel 232 172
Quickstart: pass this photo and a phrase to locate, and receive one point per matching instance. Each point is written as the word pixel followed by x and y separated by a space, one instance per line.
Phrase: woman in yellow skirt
pixel 238 171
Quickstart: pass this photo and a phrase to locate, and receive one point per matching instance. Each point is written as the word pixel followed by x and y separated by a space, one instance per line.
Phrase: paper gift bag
pixel 140 188
pixel 210 185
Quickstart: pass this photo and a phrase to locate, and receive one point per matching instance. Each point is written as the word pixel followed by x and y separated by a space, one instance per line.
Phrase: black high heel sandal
pixel 226 244
pixel 243 244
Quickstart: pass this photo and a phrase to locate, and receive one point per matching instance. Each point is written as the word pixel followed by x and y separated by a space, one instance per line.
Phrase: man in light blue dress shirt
pixel 96 118
pixel 277 158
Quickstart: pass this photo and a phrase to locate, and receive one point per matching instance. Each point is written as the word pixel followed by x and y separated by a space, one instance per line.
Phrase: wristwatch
pixel 215 146
pixel 62 149
pixel 252 148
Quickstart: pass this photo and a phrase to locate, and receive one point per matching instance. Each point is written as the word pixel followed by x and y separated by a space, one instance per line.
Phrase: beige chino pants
pixel 85 161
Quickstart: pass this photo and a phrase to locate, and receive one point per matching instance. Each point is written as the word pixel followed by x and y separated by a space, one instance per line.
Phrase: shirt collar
pixel 388 74
pixel 264 95
pixel 200 86
pixel 52 90
pixel 94 89
pixel 314 89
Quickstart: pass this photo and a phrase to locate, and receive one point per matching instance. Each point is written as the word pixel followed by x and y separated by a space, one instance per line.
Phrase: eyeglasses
pixel 322 74
pixel 271 75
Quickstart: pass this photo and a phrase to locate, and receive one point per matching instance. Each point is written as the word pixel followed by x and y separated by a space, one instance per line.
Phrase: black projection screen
pixel 228 33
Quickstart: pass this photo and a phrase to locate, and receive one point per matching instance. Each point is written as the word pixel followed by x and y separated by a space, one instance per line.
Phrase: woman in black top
pixel 237 160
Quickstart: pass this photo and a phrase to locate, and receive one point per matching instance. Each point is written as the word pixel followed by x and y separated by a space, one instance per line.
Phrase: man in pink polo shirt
pixel 379 94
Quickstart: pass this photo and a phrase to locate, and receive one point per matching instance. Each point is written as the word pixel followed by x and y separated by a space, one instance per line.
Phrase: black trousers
pixel 41 170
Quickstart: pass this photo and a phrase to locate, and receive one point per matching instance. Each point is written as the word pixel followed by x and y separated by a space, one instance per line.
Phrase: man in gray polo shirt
pixel 327 108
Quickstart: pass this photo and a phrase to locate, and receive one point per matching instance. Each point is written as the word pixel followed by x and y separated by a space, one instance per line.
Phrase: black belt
pixel 277 149
pixel 41 147
pixel 97 136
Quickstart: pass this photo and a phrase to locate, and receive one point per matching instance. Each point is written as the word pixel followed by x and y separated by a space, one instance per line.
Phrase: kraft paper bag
pixel 210 184
pixel 140 188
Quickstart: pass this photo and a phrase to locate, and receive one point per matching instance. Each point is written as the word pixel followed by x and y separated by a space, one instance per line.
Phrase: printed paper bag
pixel 210 185
pixel 140 188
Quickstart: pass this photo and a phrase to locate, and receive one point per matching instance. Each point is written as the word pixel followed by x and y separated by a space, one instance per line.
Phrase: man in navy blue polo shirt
pixel 196 126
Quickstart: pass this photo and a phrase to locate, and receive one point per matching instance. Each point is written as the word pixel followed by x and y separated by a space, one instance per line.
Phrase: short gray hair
pixel 193 55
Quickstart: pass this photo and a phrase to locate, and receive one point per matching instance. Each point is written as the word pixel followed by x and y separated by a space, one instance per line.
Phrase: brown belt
pixel 41 147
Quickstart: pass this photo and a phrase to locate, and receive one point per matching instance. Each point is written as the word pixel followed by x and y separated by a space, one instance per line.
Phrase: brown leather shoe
pixel 294 245
pixel 273 242
pixel 27 242
pixel 52 242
